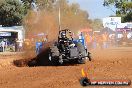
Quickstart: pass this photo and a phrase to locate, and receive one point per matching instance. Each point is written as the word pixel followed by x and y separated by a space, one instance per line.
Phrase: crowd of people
pixel 93 40
pixel 101 41
pixel 14 46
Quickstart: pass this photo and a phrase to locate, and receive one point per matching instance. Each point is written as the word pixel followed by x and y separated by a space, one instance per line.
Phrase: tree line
pixel 19 12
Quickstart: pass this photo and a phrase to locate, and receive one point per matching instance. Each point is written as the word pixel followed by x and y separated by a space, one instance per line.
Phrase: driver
pixel 63 35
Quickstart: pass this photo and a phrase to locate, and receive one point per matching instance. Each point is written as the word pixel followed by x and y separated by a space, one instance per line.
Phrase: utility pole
pixel 59 16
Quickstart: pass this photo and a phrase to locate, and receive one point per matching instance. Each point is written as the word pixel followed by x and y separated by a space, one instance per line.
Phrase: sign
pixel 111 22
pixel 129 25
pixel 5 34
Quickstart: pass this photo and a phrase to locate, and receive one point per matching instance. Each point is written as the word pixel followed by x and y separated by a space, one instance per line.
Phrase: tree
pixel 27 4
pixel 11 12
pixel 42 4
pixel 128 17
pixel 72 17
pixel 124 8
pixel 96 25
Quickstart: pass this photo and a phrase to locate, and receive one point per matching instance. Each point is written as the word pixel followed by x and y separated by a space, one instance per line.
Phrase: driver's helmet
pixel 63 34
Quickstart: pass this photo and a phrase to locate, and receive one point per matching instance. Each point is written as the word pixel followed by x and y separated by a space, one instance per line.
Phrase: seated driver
pixel 63 37
pixel 62 41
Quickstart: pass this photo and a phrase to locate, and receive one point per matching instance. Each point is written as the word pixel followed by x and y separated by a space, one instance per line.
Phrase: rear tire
pixel 32 63
pixel 54 55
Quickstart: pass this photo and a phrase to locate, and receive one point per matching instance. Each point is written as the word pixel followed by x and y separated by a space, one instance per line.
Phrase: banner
pixel 5 34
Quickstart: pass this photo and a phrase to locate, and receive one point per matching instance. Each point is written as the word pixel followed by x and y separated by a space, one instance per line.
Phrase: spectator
pixel 94 41
pixel 3 46
pixel 16 45
pixel 20 45
pixel 88 40
pixel 39 46
pixel 105 40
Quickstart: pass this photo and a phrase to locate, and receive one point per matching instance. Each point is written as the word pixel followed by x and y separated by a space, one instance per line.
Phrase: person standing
pixel 39 46
pixel 94 41
pixel 88 40
pixel 0 47
pixel 16 45
pixel 105 40
pixel 20 45
pixel 3 46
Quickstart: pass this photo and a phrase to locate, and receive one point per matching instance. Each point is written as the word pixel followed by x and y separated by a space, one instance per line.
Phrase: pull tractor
pixel 65 49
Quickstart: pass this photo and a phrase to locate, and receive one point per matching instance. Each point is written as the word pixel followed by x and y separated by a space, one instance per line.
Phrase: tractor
pixel 65 49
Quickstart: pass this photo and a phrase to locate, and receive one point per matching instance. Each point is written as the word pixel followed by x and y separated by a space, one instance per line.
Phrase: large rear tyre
pixel 32 63
pixel 54 55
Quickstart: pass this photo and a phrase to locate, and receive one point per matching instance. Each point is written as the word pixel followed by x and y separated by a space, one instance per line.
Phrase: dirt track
pixel 114 63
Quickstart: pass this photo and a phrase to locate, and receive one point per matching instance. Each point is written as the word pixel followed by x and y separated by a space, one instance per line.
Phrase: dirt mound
pixel 20 63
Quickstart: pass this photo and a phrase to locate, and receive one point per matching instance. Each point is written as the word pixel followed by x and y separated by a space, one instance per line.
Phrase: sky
pixel 95 8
